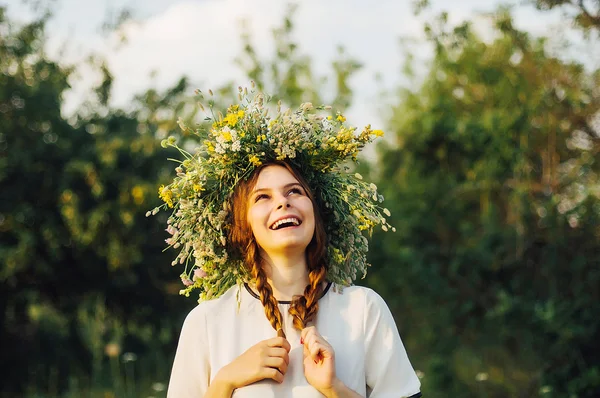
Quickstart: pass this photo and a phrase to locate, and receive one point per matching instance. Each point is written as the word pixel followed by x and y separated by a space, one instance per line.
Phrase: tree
pixel 587 13
pixel 493 183
pixel 75 240
pixel 288 74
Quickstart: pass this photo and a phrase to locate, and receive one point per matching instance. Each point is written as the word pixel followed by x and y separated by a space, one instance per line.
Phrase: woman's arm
pixel 340 390
pixel 219 389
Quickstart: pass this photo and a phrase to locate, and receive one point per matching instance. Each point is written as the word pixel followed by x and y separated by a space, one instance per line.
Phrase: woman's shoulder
pixel 206 308
pixel 357 294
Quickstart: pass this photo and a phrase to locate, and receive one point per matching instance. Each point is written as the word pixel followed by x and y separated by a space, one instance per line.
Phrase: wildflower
pixel 166 195
pixel 377 133
pixel 307 106
pixel 226 135
pixel 199 273
pixel 341 118
pixel 255 160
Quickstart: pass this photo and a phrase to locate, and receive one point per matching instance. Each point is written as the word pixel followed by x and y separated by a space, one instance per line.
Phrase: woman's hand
pixel 319 366
pixel 319 361
pixel 268 359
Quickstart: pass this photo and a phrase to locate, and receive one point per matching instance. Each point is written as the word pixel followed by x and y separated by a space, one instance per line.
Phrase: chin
pixel 288 244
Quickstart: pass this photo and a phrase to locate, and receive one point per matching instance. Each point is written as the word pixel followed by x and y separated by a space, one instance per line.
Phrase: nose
pixel 283 202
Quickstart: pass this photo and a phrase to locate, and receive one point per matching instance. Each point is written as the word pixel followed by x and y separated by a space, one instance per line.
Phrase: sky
pixel 167 39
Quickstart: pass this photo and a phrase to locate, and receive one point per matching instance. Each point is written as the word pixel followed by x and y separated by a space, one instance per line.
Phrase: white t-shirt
pixel 369 355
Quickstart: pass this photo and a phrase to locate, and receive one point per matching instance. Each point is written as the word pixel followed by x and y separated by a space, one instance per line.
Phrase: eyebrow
pixel 286 186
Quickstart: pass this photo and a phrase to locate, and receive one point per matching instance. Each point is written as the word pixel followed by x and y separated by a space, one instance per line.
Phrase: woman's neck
pixel 287 275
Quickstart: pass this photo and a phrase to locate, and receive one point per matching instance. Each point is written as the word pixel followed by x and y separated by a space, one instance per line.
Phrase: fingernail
pixel 301 340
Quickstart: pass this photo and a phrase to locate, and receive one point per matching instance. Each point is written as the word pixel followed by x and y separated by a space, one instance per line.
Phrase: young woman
pixel 288 331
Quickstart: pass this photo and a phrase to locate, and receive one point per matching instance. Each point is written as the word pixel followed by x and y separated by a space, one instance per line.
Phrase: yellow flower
pixel 341 118
pixel 377 133
pixel 231 119
pixel 329 117
pixel 255 160
pixel 198 188
pixel 226 135
pixel 233 116
pixel 166 195
pixel 209 146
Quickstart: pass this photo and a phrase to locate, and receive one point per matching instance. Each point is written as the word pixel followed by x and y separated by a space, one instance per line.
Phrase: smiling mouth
pixel 284 223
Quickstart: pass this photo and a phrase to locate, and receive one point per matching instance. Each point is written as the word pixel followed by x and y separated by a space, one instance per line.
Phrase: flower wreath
pixel 235 145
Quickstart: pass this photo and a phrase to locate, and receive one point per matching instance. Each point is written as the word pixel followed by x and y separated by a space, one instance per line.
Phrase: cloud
pixel 201 38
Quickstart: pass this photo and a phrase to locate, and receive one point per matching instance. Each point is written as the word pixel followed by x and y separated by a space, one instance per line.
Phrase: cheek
pixel 309 210
pixel 255 216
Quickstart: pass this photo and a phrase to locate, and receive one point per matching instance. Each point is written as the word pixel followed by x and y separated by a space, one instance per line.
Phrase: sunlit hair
pixel 303 308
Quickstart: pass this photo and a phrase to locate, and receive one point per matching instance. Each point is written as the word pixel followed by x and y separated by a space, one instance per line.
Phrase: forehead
pixel 273 177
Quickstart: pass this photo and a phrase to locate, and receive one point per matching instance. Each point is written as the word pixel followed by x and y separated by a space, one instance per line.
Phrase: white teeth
pixel 285 220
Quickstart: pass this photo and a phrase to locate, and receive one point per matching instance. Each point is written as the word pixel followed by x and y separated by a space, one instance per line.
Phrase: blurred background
pixel 490 167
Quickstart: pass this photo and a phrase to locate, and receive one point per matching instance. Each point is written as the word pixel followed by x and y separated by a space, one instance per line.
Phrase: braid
pixel 262 285
pixel 304 308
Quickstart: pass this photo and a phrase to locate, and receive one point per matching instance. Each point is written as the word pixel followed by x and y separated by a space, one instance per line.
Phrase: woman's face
pixel 280 213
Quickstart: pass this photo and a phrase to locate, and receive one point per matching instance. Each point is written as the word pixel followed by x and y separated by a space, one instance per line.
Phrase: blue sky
pixel 200 38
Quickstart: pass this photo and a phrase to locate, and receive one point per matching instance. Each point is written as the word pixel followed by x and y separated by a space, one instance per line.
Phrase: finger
pixel 311 339
pixel 316 351
pixel 311 348
pixel 286 345
pixel 306 331
pixel 272 373
pixel 278 342
pixel 279 352
pixel 278 363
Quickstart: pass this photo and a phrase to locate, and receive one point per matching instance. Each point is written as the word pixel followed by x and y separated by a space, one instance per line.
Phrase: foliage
pixel 587 14
pixel 494 186
pixel 71 221
pixel 288 75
